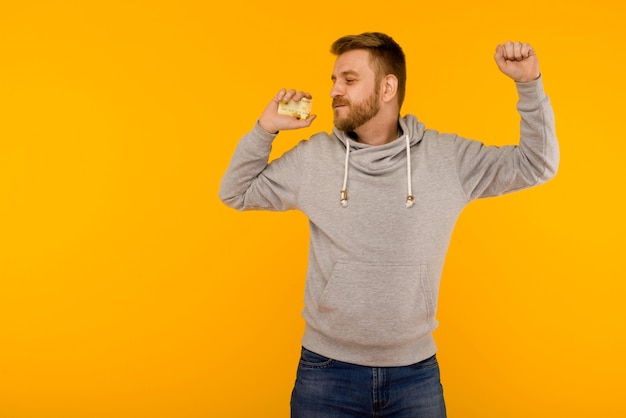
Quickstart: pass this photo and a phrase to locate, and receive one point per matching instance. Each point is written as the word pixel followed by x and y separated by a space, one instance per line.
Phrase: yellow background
pixel 128 290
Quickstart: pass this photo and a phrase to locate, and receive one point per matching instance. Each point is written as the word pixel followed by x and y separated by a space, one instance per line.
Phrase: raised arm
pixel 250 182
pixel 490 171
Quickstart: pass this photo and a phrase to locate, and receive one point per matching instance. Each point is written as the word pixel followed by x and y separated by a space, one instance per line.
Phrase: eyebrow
pixel 344 74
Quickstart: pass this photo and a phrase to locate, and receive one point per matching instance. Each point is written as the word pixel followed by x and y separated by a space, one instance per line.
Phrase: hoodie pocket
pixel 377 304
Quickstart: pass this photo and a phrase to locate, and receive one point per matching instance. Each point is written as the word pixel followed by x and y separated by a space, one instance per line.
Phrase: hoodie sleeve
pixel 486 171
pixel 250 182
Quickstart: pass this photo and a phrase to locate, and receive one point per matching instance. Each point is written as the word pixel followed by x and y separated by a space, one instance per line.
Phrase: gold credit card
pixel 300 110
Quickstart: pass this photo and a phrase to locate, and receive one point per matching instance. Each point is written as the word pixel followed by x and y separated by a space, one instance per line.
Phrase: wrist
pixel 528 80
pixel 267 127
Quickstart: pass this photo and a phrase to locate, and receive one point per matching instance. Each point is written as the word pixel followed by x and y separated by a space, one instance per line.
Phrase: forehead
pixel 357 61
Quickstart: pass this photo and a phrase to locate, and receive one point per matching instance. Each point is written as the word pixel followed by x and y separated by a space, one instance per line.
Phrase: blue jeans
pixel 327 388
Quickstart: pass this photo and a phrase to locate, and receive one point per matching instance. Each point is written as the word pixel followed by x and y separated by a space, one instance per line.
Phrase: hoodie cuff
pixel 531 90
pixel 262 134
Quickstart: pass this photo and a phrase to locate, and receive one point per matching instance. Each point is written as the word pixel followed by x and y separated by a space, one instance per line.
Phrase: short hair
pixel 387 55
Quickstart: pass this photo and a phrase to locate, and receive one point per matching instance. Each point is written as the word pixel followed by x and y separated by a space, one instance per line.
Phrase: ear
pixel 389 87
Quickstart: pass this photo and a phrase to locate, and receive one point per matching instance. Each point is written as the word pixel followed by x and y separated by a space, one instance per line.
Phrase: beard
pixel 358 113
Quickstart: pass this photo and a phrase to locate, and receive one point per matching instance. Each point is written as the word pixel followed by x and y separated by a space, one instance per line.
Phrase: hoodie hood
pixel 379 159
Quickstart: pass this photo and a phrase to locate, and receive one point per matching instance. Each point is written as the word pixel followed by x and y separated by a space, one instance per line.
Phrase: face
pixel 355 92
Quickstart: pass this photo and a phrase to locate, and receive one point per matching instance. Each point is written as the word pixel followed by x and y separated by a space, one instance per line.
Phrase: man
pixel 382 194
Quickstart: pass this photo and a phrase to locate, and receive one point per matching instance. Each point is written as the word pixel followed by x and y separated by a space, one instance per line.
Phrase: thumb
pixel 304 123
pixel 499 55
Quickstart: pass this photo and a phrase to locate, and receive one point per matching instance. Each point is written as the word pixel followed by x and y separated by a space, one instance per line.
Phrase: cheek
pixel 364 92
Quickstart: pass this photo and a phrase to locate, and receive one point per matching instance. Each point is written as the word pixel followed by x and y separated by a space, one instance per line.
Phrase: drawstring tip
pixel 410 201
pixel 343 198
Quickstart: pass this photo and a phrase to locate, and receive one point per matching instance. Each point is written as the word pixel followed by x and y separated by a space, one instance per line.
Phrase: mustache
pixel 340 102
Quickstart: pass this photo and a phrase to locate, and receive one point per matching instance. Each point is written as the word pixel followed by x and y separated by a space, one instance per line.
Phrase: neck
pixel 379 130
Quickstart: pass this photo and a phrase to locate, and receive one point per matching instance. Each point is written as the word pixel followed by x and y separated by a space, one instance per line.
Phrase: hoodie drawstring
pixel 343 198
pixel 410 199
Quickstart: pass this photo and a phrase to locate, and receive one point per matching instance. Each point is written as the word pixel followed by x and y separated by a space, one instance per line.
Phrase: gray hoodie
pixel 375 261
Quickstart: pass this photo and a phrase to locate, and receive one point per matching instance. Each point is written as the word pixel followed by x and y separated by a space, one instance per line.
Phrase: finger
pixel 273 104
pixel 280 94
pixel 288 95
pixel 304 123
pixel 517 49
pixel 310 119
pixel 499 54
pixel 509 50
pixel 298 96
pixel 301 95
pixel 294 123
pixel 527 50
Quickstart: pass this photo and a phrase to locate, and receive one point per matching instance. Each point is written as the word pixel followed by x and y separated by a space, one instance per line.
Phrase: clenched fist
pixel 518 61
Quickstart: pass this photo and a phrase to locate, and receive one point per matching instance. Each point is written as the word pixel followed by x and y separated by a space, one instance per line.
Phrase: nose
pixel 336 91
